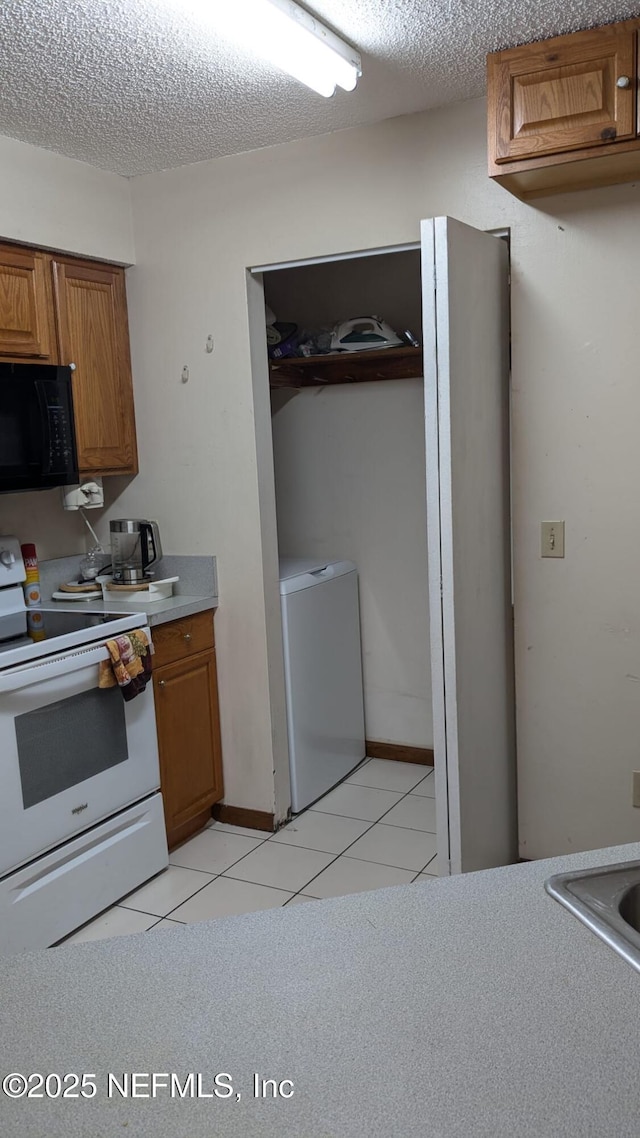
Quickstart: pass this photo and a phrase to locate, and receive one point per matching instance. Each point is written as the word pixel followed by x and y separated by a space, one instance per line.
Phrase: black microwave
pixel 37 429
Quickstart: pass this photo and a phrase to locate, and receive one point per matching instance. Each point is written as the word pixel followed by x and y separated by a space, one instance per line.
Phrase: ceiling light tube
pixel 284 34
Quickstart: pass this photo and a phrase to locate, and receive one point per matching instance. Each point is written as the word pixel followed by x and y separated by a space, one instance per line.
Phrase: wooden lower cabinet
pixel 186 703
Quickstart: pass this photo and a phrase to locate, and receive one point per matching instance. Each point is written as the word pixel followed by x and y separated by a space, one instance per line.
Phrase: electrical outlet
pixel 636 788
pixel 552 544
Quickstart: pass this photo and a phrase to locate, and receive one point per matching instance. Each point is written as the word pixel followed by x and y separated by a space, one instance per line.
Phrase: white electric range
pixel 81 818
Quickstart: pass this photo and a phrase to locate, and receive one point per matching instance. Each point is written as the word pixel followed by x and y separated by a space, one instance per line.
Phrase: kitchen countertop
pixel 159 612
pixel 473 1006
pixel 196 589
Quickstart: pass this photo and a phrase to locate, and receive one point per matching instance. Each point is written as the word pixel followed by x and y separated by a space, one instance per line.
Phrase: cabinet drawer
pixel 182 638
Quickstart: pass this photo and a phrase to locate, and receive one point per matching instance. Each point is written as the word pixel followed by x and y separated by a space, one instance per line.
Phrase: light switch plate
pixel 552 543
pixel 636 788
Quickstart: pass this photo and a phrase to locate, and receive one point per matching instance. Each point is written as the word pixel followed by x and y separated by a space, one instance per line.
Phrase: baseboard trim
pixel 239 816
pixel 397 752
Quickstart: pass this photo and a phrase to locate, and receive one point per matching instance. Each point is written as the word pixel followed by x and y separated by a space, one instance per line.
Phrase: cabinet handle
pixel 72 367
pixel 162 683
pixel 187 636
pixel 623 81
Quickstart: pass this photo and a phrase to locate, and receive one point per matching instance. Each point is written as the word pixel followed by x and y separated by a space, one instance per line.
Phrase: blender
pixel 135 547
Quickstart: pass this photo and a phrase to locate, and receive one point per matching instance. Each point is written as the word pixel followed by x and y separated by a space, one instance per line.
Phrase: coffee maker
pixel 135 547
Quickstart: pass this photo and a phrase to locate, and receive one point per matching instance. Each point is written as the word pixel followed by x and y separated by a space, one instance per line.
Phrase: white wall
pixel 350 483
pixel 60 204
pixel 576 408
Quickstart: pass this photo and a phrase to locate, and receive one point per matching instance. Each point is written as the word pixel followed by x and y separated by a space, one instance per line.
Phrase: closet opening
pixel 344 339
pixel 347 486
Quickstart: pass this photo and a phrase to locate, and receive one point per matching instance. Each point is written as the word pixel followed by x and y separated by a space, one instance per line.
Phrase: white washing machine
pixel 323 674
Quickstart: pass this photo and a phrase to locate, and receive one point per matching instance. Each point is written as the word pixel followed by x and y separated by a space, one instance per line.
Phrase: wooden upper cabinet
pixel 91 311
pixel 27 329
pixel 570 93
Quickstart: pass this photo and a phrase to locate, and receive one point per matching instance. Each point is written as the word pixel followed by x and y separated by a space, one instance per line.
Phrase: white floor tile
pixel 299 899
pixel 212 851
pixel 346 875
pixel 166 923
pixel 167 890
pixel 353 801
pixel 282 867
pixel 384 774
pixel 393 845
pixel 239 831
pixel 318 831
pixel 115 922
pixel 427 787
pixel 414 812
pixel 227 898
pixel 423 878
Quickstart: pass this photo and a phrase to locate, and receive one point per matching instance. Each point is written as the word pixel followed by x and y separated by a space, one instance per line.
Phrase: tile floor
pixel 376 828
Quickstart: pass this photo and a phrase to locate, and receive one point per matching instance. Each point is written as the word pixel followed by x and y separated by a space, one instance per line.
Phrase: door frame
pixel 267 503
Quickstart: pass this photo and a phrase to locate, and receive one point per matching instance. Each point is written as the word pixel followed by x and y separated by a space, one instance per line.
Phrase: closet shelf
pixel 347 367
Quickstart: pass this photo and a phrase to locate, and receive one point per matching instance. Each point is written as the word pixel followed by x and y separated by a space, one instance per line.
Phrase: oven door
pixel 71 753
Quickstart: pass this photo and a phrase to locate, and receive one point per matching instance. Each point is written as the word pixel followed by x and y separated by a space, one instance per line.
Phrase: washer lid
pixel 298 573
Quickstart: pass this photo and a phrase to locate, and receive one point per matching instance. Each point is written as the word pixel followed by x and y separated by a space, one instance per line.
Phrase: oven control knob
pixel 7 558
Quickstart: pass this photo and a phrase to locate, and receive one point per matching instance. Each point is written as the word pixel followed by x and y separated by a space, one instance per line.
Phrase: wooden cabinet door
pixel 27 328
pixel 91 308
pixel 186 702
pixel 547 98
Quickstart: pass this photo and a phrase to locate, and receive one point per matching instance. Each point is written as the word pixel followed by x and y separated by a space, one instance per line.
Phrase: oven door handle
pixel 25 675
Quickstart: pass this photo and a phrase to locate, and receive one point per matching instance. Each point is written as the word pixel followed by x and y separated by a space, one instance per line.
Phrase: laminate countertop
pixel 196 590
pixel 158 612
pixel 474 1007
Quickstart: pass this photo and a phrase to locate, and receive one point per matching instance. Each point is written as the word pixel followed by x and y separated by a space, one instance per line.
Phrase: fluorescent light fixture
pixel 284 34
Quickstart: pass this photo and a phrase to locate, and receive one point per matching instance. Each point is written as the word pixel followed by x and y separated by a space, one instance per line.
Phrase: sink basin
pixel 607 900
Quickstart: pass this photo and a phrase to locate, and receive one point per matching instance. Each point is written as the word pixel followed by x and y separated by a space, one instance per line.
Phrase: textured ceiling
pixel 141 85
